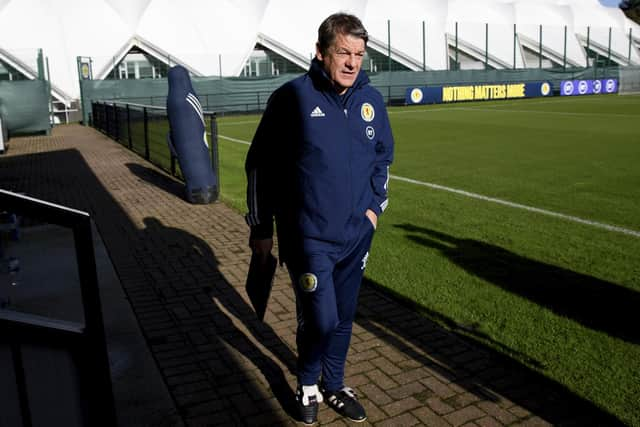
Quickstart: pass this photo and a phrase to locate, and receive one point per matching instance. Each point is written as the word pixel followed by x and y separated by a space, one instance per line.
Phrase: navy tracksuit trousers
pixel 327 281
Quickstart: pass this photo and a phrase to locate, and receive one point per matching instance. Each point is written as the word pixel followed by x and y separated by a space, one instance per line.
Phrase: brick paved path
pixel 183 268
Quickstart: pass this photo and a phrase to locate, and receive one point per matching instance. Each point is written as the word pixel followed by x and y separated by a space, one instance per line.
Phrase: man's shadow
pixel 459 357
pixel 183 251
pixel 457 353
pixel 594 303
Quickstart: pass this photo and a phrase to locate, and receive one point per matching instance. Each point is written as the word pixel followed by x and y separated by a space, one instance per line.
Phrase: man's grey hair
pixel 339 23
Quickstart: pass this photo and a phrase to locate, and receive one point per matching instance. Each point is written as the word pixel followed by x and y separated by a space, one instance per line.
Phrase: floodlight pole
pixel 630 39
pixel 424 47
pixel 388 45
pixel 564 55
pixel 486 45
pixel 588 39
pixel 609 48
pixel 389 60
pixel 515 42
pixel 457 65
pixel 540 48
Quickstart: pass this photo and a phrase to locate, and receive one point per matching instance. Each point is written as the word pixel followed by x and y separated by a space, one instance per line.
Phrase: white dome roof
pixel 210 37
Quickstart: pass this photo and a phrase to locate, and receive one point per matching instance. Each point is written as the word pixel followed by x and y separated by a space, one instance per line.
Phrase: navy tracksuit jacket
pixel 317 162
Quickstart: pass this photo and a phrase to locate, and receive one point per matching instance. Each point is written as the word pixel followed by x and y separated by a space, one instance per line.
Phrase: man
pixel 319 163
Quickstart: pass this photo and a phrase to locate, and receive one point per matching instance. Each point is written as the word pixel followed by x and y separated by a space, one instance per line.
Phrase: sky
pixel 610 3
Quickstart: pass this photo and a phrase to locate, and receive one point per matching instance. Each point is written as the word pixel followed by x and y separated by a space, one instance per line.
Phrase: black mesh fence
pixel 144 129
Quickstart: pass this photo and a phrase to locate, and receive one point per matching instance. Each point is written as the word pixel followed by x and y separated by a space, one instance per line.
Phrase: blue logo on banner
pixel 597 86
pixel 588 87
pixel 583 87
pixel 567 87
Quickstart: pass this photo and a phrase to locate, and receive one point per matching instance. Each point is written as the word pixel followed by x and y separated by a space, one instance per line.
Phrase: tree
pixel 629 4
pixel 631 8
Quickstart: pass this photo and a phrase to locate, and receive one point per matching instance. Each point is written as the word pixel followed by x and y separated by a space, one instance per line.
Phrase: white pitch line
pixel 244 122
pixel 519 206
pixel 494 109
pixel 579 220
pixel 563 113
pixel 239 141
pixel 460 105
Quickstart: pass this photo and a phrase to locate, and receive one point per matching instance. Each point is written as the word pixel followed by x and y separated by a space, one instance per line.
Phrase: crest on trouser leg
pixel 308 282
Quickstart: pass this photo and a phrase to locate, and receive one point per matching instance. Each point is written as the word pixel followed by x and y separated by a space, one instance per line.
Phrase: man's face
pixel 343 60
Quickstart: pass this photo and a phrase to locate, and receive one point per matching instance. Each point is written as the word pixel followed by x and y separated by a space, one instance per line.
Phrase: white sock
pixel 310 390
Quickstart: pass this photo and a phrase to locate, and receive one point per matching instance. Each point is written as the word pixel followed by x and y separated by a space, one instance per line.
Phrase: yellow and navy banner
pixel 479 92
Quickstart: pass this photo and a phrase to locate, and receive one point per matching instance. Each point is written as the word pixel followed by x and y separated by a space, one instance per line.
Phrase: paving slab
pixel 181 269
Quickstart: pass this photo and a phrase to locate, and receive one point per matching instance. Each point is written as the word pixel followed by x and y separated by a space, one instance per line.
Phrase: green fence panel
pixel 251 95
pixel 629 80
pixel 220 95
pixel 24 106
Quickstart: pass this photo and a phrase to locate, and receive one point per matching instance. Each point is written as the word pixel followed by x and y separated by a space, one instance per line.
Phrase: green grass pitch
pixel 558 293
pixel 516 223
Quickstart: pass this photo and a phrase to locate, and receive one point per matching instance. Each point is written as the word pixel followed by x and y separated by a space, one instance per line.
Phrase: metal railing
pixel 144 129
pixel 86 342
pixel 242 103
